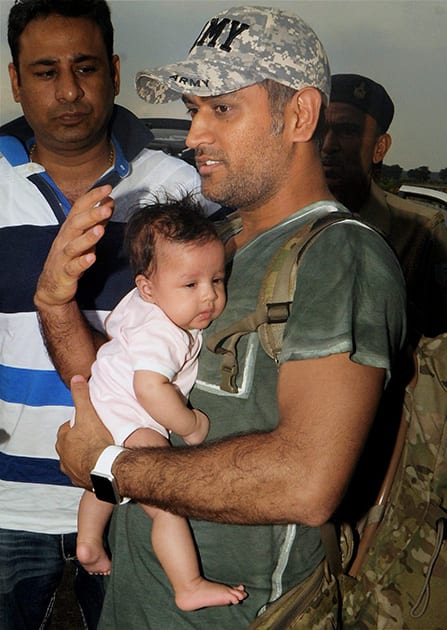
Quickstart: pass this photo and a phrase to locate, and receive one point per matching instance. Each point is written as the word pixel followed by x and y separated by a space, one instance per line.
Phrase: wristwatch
pixel 103 481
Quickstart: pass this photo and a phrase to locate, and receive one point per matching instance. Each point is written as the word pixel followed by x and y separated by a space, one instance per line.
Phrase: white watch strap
pixel 105 461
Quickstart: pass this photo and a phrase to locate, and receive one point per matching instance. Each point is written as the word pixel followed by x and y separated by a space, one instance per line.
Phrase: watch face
pixel 105 489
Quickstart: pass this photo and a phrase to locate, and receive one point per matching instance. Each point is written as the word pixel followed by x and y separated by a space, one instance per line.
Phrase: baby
pixel 143 375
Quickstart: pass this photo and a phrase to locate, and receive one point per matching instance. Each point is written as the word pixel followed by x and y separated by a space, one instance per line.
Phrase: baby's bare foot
pixel 93 558
pixel 204 593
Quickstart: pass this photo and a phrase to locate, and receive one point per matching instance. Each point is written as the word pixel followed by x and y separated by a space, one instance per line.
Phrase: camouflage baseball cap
pixel 237 48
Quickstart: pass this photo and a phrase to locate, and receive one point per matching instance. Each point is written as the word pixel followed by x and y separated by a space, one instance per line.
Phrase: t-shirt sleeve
pixel 349 297
pixel 162 350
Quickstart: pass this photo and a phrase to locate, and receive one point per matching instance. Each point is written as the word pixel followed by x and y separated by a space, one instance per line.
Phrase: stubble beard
pixel 245 189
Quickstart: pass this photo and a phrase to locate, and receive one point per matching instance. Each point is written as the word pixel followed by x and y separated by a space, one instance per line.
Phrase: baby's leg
pixel 93 516
pixel 173 544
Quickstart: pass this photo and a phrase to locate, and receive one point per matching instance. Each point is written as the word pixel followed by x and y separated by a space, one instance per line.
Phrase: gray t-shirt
pixel 350 298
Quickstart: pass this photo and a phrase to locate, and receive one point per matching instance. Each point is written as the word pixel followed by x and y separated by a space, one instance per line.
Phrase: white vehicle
pixel 430 196
pixel 169 136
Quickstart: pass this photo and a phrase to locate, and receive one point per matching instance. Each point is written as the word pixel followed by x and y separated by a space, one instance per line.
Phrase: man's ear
pixel 305 108
pixel 144 286
pixel 381 147
pixel 14 78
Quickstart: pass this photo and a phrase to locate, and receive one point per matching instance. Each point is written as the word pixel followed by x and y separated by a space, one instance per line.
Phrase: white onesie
pixel 142 337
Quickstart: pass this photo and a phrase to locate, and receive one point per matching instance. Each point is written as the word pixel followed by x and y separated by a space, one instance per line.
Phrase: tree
pixel 443 174
pixel 421 174
pixel 394 171
pixel 389 177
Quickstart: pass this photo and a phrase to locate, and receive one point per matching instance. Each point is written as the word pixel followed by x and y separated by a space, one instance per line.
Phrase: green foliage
pixel 421 174
pixel 390 177
pixel 392 172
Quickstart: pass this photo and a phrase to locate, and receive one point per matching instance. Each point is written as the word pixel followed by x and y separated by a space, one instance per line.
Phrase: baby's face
pixel 189 282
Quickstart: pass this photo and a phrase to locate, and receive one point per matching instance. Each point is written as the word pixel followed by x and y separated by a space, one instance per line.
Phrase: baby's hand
pixel 201 430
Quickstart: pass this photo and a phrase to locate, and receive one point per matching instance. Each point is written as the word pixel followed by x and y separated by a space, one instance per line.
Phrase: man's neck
pixel 75 172
pixel 308 186
pixel 354 195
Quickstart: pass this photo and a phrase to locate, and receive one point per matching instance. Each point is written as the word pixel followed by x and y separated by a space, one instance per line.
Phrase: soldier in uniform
pixel 355 144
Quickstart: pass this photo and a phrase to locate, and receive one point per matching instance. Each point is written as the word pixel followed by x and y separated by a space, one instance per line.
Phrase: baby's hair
pixel 180 220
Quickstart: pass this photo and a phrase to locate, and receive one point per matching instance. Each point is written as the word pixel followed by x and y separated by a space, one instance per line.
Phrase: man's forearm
pixel 245 489
pixel 70 340
pixel 297 473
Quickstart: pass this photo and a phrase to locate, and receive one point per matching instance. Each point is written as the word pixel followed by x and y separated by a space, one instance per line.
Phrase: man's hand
pixel 73 250
pixel 80 446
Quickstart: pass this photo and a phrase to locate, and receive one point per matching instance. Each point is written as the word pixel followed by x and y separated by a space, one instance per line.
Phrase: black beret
pixel 365 94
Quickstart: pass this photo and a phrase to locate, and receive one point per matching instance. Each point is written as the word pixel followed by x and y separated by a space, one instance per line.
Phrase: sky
pixel 401 44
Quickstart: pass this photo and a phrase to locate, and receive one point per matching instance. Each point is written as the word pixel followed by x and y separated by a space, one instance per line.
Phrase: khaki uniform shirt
pixel 418 235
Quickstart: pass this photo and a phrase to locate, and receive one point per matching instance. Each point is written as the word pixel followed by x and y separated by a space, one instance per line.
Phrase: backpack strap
pixel 275 301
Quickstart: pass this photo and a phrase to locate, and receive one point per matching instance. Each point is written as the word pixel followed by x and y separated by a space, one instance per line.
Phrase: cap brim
pixel 169 83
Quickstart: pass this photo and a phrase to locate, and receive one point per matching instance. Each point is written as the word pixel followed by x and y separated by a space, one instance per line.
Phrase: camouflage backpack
pixel 398 571
pixel 399 574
